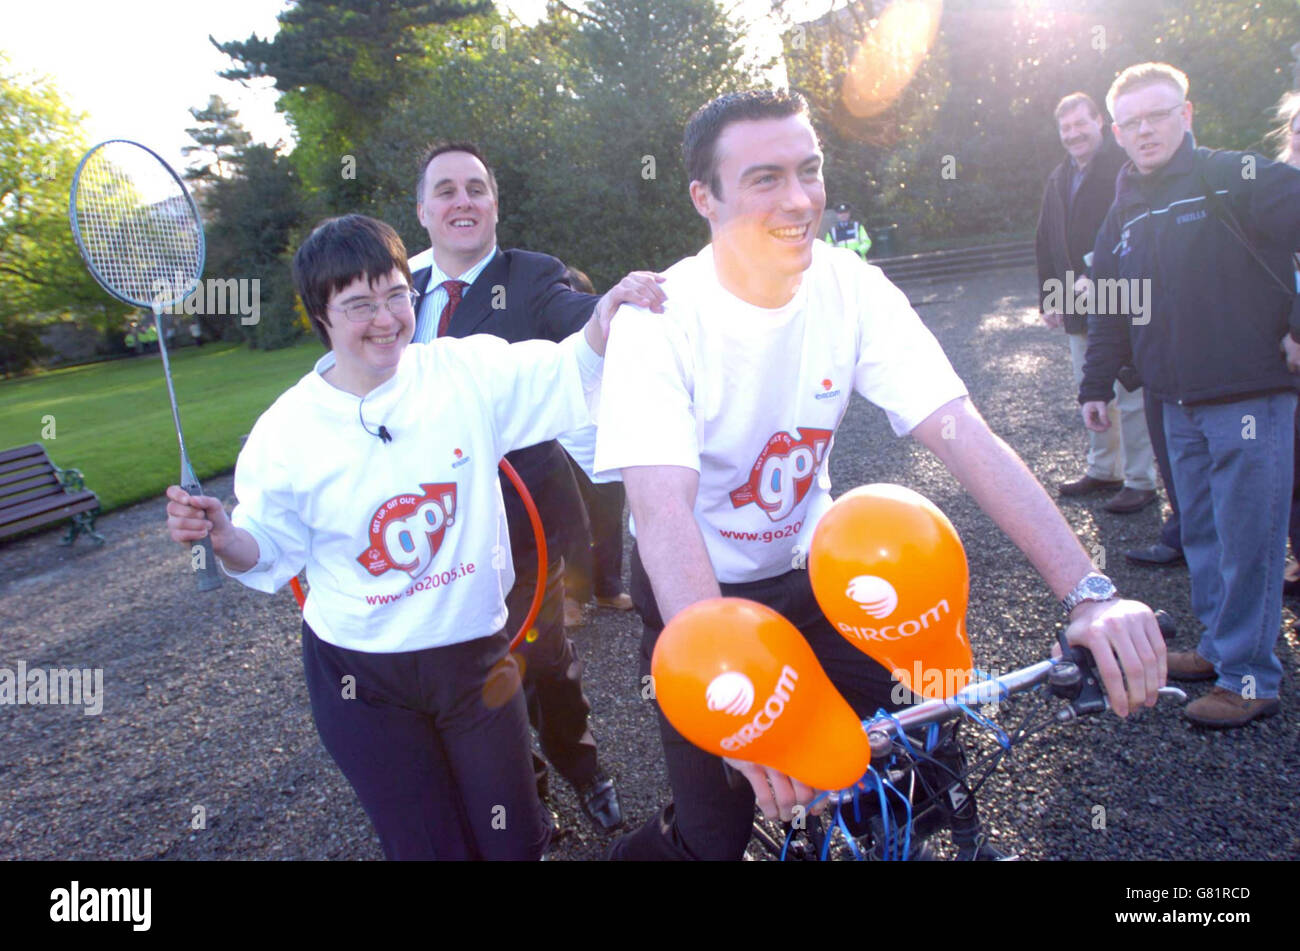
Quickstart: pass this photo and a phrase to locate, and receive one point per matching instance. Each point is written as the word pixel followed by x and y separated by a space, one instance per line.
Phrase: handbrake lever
pixel 1074 677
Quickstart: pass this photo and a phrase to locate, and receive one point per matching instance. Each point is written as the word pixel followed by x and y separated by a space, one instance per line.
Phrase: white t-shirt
pixel 750 397
pixel 405 543
pixel 580 444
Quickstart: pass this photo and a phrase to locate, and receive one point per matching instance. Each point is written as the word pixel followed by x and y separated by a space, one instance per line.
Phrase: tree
pixel 41 274
pixel 581 117
pixel 217 137
pixel 255 216
pixel 609 192
pixel 482 79
pixel 964 148
pixel 339 64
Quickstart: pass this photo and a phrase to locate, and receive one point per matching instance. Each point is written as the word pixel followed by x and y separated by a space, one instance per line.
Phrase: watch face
pixel 1099 587
pixel 1090 588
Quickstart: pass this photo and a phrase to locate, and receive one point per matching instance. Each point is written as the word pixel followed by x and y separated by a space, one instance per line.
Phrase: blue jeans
pixel 1232 467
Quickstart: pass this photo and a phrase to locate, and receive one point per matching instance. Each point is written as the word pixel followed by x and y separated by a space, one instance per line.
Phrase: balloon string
pixel 885 822
pixel 1003 740
pixel 907 827
pixel 883 714
pixel 982 677
pixel 844 830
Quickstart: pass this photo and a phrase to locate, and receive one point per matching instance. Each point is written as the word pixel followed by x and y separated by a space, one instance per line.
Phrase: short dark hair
pixel 706 125
pixel 1073 101
pixel 335 254
pixel 578 280
pixel 434 149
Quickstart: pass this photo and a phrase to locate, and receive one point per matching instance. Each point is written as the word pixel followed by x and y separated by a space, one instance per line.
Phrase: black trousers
pixel 557 707
pixel 435 743
pixel 1171 530
pixel 594 554
pixel 712 812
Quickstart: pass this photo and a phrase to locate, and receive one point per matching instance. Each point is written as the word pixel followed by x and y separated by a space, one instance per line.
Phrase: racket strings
pixel 138 228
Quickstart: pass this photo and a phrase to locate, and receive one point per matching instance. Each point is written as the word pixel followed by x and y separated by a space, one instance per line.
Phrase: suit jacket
pixel 522 295
pixel 1066 231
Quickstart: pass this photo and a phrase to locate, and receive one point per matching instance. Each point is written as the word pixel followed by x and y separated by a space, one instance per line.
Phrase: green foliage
pixel 218 136
pixel 609 192
pixel 581 118
pixel 41 274
pixel 339 64
pixel 20 347
pixel 986 93
pixel 254 217
pixel 582 114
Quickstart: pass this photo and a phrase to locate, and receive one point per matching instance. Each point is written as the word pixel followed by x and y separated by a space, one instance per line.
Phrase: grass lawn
pixel 113 420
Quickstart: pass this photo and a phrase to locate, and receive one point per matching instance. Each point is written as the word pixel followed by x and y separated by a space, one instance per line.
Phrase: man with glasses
pixel 470 286
pixel 1206 237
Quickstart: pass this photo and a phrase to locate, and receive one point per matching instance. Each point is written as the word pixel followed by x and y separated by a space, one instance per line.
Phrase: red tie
pixel 453 289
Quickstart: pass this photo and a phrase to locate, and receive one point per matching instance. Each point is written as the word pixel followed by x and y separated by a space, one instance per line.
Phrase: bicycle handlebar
pixel 1073 677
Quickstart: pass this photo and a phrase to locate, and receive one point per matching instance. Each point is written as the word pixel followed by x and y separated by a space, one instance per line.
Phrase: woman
pixel 378 472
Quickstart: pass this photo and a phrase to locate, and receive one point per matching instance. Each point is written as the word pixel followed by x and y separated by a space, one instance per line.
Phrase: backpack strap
pixel 1221 211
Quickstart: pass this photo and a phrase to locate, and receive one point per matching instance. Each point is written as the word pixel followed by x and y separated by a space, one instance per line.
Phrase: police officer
pixel 847 233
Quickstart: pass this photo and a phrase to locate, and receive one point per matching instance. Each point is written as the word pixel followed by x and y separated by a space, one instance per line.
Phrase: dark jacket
pixel 1215 318
pixel 1067 230
pixel 522 295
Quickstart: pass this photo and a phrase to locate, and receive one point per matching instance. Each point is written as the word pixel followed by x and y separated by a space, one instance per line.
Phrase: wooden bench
pixel 34 492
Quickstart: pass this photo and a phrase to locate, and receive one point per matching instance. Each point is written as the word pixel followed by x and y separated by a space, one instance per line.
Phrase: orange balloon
pixel 890 573
pixel 737 679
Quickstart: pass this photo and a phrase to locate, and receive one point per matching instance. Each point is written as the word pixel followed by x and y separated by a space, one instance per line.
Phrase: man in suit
pixel 1079 192
pixel 470 286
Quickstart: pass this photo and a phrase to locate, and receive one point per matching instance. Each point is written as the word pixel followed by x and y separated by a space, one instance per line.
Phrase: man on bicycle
pixel 747 374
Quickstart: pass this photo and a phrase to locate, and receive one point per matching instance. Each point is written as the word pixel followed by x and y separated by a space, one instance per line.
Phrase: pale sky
pixel 135 67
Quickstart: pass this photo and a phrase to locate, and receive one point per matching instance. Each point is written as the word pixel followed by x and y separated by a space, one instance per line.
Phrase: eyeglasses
pixel 399 305
pixel 1151 118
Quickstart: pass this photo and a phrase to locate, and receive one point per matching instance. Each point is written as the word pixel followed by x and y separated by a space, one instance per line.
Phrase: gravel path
pixel 206 714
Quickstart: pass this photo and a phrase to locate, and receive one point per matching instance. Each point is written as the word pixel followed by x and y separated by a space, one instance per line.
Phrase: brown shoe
pixel 1127 501
pixel 1224 710
pixel 572 613
pixel 619 602
pixel 1189 665
pixel 1088 485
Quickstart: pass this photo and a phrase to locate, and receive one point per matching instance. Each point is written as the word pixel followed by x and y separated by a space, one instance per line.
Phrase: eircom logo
pixel 766 717
pixel 731 692
pixel 874 595
pixel 907 628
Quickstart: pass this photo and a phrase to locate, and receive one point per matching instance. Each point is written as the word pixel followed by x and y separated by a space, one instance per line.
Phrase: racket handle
pixel 206 570
pixel 209 574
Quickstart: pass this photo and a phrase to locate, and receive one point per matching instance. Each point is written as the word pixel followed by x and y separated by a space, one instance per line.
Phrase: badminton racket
pixel 139 233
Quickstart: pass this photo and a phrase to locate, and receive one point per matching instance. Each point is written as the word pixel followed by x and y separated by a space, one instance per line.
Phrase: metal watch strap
pixel 1094 586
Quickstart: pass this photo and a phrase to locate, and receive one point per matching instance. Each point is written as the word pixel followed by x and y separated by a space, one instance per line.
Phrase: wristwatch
pixel 1094 586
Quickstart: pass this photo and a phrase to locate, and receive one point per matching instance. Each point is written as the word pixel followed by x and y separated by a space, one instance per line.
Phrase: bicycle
pixel 920 782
